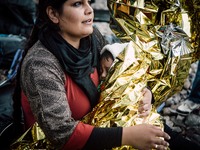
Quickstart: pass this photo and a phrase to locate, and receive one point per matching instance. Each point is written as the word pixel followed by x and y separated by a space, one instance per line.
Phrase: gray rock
pixel 192 120
pixel 187 84
pixel 166 111
pixel 166 118
pixel 177 99
pixel 170 123
pixel 174 107
pixel 169 102
pixel 177 129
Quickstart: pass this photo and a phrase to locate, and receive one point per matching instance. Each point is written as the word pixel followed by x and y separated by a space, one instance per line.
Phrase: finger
pixel 144 114
pixel 145 90
pixel 155 146
pixel 162 135
pixel 146 100
pixel 143 101
pixel 144 108
pixel 159 147
pixel 161 144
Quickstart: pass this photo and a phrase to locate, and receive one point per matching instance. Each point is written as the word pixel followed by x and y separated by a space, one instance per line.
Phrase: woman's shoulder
pixel 101 42
pixel 39 56
pixel 39 50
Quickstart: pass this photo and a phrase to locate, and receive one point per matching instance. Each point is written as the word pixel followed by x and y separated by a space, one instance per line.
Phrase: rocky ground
pixel 188 125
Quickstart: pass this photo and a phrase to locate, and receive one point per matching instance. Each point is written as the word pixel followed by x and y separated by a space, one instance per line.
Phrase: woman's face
pixel 76 20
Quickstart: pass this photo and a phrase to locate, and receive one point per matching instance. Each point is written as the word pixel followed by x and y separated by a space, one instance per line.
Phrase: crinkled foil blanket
pixel 33 139
pixel 163 38
pixel 164 41
pixel 168 31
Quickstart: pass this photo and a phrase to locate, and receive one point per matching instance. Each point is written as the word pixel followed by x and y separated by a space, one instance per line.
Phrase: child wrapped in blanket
pixel 125 99
pixel 108 55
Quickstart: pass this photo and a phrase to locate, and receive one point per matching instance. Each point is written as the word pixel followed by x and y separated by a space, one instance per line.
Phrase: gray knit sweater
pixel 43 80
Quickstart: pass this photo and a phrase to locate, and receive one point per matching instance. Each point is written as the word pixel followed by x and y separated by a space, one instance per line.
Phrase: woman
pixel 59 79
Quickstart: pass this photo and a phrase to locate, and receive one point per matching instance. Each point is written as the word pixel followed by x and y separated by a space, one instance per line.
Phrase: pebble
pixel 187 84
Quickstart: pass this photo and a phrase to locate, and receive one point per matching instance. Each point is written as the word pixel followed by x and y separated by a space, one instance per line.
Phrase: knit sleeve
pixel 104 138
pixel 42 80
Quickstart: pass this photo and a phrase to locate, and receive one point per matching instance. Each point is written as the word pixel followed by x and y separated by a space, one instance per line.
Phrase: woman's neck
pixel 75 44
pixel 74 41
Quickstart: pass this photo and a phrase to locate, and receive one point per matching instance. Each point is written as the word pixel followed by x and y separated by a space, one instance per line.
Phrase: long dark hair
pixel 42 20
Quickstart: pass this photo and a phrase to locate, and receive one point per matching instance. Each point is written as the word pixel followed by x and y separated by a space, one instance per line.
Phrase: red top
pixel 79 105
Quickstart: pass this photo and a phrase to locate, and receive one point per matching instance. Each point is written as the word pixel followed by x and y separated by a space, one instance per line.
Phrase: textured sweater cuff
pixel 104 138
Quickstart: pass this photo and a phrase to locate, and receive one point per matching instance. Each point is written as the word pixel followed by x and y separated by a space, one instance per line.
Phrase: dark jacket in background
pixel 17 16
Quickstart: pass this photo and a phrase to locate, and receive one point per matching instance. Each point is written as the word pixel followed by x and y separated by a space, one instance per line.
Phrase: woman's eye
pixel 90 2
pixel 77 4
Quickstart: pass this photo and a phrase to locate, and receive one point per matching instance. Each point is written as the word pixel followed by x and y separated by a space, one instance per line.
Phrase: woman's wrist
pixel 126 136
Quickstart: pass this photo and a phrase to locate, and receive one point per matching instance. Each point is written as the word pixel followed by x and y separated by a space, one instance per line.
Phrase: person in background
pixel 16 22
pixel 193 101
pixel 59 78
pixel 17 17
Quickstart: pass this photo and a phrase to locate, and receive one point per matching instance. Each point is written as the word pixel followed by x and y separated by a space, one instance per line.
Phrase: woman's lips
pixel 89 21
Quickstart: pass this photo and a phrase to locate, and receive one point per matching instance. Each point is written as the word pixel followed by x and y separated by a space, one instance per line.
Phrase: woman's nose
pixel 89 9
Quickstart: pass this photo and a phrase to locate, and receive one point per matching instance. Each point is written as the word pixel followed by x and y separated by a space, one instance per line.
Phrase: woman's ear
pixel 52 14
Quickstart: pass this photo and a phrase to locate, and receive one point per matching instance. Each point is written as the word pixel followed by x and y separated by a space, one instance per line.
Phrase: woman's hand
pixel 145 103
pixel 145 137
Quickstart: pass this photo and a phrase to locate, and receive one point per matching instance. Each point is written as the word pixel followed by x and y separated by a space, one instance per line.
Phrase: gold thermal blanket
pixel 164 40
pixel 171 53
